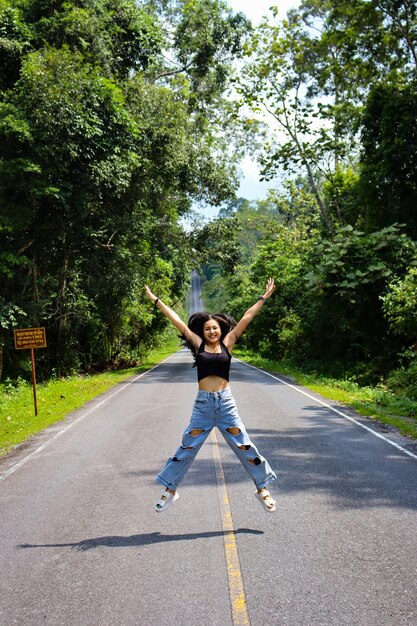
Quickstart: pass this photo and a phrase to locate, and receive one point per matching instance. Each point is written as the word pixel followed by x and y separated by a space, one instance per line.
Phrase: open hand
pixel 270 288
pixel 149 293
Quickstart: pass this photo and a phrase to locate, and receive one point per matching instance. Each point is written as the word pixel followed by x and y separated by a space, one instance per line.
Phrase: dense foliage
pixel 334 86
pixel 110 120
pixel 114 121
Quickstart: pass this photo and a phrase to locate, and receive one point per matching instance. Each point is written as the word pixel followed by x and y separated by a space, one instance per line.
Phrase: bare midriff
pixel 213 383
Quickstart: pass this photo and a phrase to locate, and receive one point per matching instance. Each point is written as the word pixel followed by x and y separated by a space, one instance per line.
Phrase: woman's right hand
pixel 149 293
pixel 270 288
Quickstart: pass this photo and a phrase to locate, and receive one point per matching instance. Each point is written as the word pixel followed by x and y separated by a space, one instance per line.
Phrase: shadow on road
pixel 330 456
pixel 145 539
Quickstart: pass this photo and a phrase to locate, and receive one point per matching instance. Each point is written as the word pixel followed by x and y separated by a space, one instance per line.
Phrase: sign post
pixel 30 338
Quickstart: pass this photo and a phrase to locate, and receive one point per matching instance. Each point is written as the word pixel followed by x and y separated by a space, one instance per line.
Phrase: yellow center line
pixel 238 604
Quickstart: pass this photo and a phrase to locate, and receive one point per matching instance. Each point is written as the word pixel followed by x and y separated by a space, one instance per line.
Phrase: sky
pixel 255 9
pixel 251 187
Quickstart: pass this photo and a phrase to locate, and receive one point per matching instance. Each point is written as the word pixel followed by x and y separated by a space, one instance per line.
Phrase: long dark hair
pixel 197 321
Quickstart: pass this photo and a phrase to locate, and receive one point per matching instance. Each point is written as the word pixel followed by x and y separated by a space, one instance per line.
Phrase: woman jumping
pixel 211 339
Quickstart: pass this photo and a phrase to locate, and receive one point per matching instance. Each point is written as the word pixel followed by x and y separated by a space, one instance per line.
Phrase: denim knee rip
pixel 194 434
pixel 235 431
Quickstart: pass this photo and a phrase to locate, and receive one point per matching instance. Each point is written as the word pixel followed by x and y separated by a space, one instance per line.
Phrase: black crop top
pixel 213 363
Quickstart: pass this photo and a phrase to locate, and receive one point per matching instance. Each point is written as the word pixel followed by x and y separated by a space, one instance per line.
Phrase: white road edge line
pixel 84 415
pixel 351 419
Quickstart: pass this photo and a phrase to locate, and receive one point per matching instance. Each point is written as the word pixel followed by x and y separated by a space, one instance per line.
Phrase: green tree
pixel 14 43
pixel 347 276
pixel 218 245
pixel 205 36
pixel 274 81
pixel 401 19
pixel 388 175
pixel 118 36
pixel 400 304
pixel 102 148
pixel 309 76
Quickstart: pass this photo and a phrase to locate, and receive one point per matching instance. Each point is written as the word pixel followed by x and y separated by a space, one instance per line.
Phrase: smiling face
pixel 212 331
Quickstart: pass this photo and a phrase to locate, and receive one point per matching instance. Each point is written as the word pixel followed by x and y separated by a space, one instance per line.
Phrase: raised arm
pixel 247 317
pixel 174 318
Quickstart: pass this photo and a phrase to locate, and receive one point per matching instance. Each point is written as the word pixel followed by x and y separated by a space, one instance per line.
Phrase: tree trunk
pixel 61 306
pixel 323 211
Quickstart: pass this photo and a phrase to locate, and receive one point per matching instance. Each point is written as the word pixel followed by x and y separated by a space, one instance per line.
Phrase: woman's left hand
pixel 270 288
pixel 149 293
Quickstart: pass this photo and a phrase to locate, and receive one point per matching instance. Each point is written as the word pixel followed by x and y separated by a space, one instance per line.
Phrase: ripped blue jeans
pixel 216 408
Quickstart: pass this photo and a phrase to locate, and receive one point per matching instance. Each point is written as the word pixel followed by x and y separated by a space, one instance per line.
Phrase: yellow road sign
pixel 25 338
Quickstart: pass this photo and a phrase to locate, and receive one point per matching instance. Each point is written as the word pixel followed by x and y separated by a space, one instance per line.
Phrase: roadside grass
pixel 58 397
pixel 378 402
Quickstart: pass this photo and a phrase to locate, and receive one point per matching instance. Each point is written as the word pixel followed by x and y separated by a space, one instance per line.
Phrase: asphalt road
pixel 196 303
pixel 82 545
